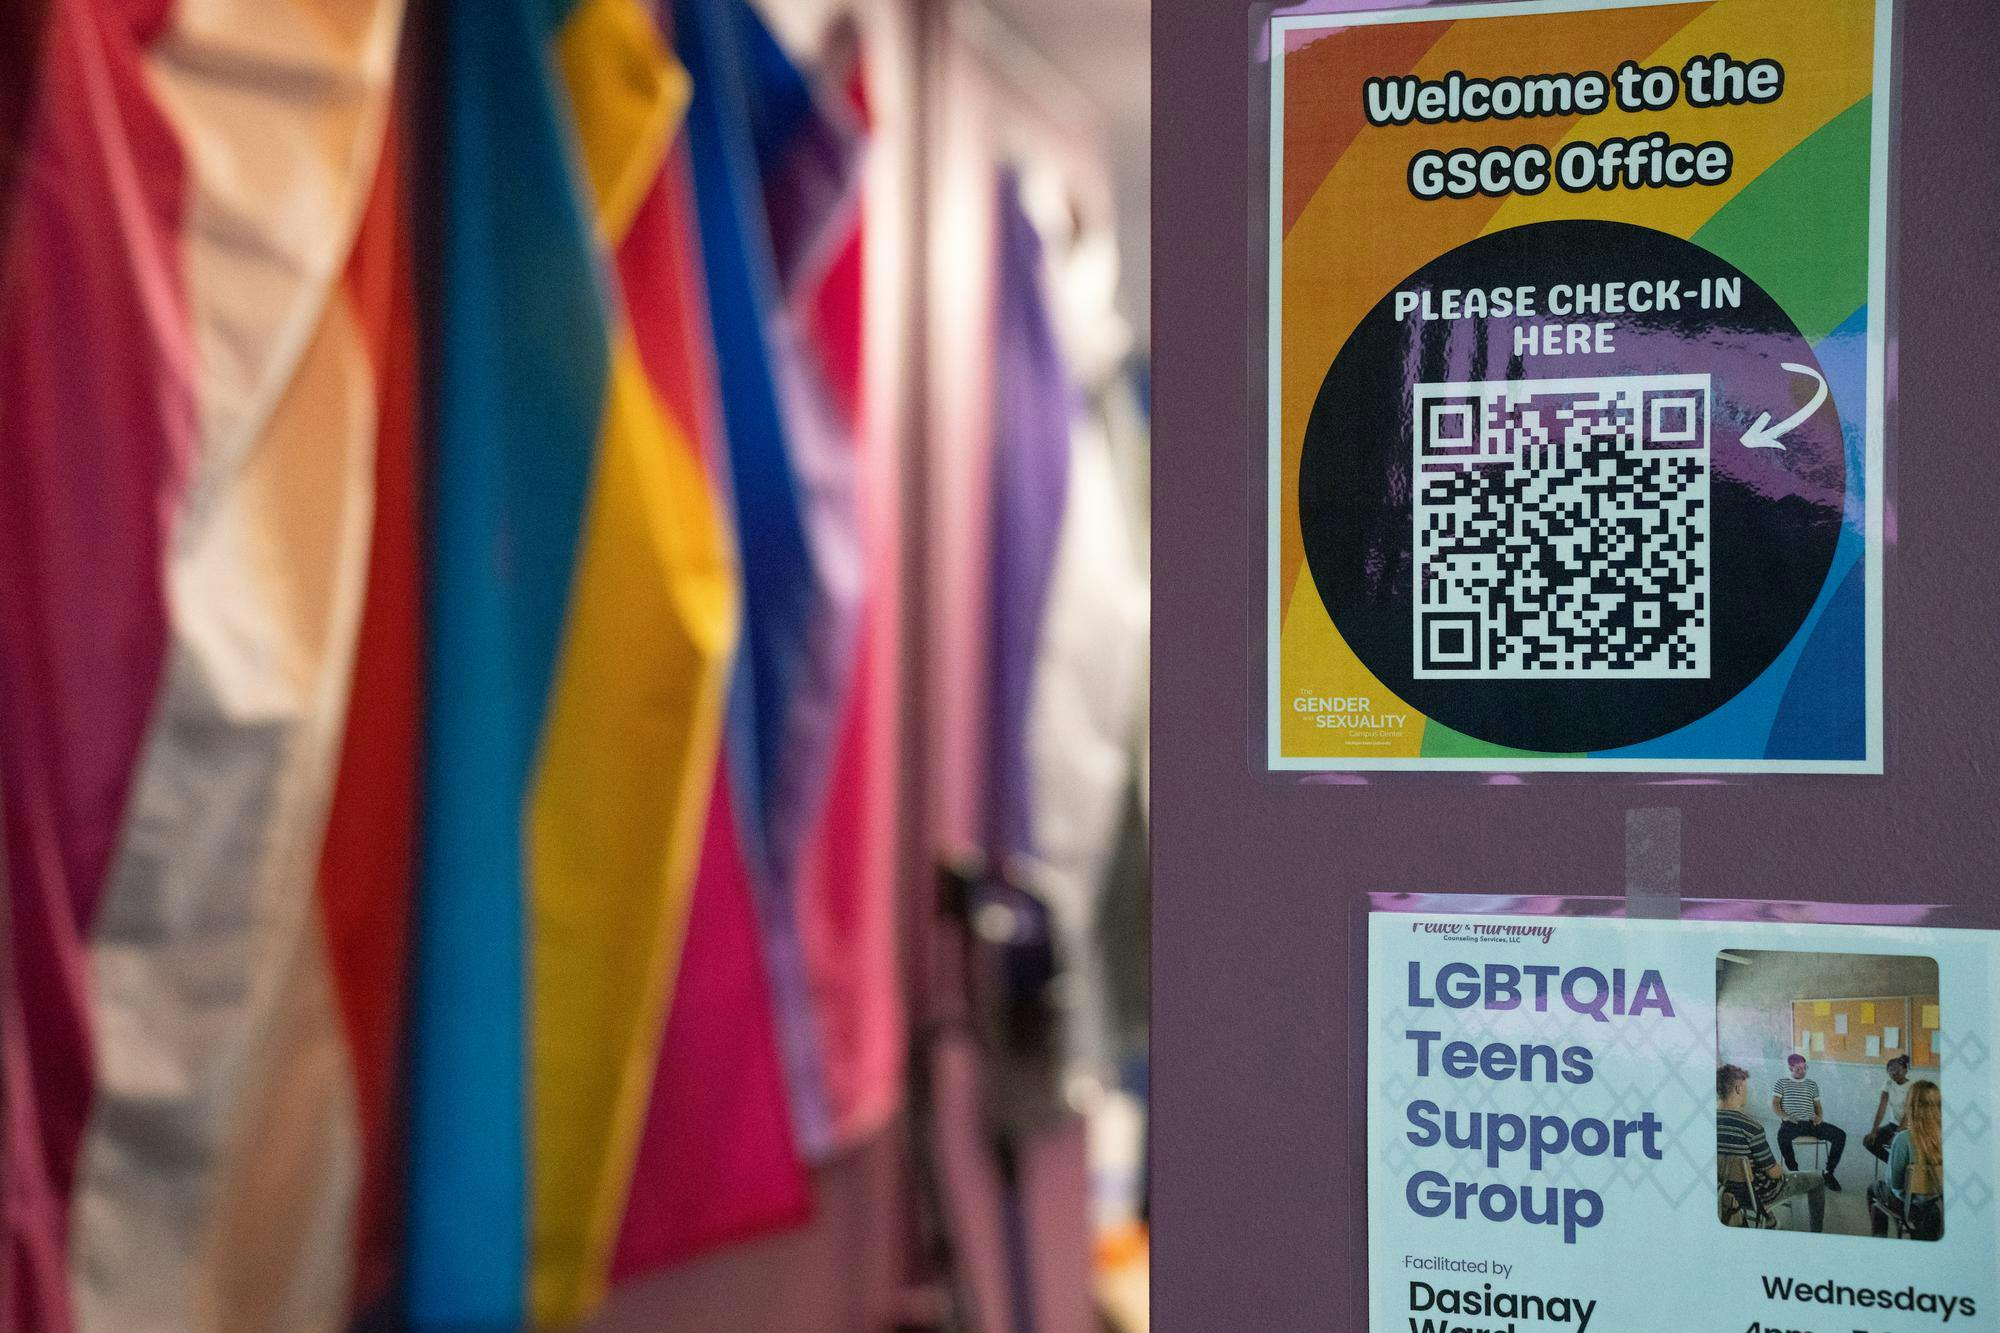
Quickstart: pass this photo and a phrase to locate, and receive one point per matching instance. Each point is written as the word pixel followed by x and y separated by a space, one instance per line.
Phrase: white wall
pixel 1103 50
pixel 1754 1030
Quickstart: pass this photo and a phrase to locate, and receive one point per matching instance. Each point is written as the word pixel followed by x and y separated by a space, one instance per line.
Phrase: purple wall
pixel 1259 883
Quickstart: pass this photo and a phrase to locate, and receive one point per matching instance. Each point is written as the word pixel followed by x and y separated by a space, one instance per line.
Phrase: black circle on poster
pixel 1608 601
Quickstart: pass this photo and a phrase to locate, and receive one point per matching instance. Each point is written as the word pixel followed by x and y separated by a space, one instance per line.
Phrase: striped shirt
pixel 1737 1135
pixel 1798 1096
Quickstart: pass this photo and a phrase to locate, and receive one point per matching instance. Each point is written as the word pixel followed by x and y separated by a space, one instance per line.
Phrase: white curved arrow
pixel 1763 435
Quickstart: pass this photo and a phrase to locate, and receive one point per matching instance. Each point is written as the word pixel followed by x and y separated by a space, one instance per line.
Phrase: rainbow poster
pixel 1576 366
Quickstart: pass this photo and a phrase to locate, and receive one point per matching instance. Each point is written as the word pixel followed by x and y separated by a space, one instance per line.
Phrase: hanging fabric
pixel 718 1162
pixel 198 437
pixel 847 868
pixel 772 173
pixel 584 603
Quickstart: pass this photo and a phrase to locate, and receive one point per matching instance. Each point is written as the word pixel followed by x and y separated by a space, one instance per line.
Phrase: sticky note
pixel 1868 1011
pixel 1840 1025
pixel 1892 1037
pixel 1821 1008
pixel 1874 1047
pixel 1931 1016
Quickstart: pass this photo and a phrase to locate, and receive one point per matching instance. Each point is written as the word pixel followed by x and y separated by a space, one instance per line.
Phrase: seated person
pixel 1795 1101
pixel 1889 1108
pixel 1737 1135
pixel 1914 1189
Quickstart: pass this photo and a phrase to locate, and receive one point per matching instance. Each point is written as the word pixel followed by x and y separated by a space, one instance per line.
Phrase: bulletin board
pixel 1925 1022
pixel 1840 1030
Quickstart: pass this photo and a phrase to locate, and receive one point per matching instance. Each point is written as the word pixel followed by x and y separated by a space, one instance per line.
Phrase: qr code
pixel 1562 528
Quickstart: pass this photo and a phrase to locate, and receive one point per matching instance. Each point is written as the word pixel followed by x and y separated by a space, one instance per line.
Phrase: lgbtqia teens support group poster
pixel 1576 370
pixel 1563 1111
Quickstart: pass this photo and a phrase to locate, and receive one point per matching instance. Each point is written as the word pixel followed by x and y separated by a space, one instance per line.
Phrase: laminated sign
pixel 1699 1126
pixel 1576 406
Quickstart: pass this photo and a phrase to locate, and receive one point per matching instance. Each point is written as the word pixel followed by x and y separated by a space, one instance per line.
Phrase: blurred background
pixel 573 619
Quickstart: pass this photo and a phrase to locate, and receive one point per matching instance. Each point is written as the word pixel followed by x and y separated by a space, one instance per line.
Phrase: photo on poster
pixel 1811 1069
pixel 1582 1122
pixel 1576 368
